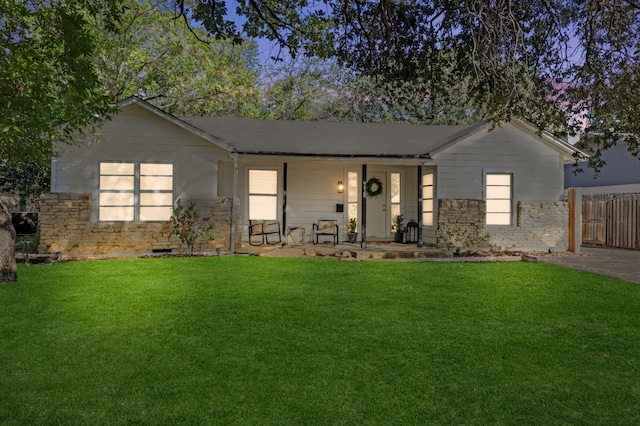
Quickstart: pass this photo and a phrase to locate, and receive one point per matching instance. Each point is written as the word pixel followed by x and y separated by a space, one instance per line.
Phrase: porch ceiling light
pixel 340 187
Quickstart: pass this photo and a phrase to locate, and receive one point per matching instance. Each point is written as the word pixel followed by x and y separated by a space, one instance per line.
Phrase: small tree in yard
pixel 186 223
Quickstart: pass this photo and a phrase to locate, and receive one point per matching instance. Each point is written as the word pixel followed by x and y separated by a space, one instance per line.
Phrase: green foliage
pixel 24 179
pixel 190 226
pixel 353 225
pixel 398 223
pixel 156 57
pixel 313 89
pixel 47 75
pixel 566 66
pixel 251 340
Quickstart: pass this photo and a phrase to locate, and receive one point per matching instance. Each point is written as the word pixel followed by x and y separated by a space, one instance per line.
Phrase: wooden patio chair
pixel 262 229
pixel 326 228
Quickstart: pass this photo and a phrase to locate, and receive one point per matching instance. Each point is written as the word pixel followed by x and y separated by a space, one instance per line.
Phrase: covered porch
pixel 300 192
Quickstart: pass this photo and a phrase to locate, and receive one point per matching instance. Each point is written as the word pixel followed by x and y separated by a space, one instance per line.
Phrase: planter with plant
pixel 398 228
pixel 353 230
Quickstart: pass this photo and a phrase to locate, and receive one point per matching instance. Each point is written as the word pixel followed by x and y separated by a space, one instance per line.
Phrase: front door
pixel 377 217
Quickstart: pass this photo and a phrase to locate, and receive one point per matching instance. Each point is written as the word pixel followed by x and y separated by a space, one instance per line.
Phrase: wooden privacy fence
pixel 623 221
pixel 611 219
pixel 594 219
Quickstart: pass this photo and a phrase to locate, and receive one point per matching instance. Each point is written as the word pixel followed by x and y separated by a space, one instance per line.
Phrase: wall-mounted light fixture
pixel 340 187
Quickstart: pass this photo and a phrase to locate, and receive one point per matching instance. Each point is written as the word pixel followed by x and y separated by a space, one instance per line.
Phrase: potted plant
pixel 398 228
pixel 353 230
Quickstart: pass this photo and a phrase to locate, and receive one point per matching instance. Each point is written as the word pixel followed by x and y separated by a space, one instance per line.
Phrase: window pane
pixel 498 218
pixel 263 182
pixel 156 169
pixel 263 207
pixel 352 187
pixel 395 210
pixel 116 168
pixel 495 179
pixel 353 210
pixel 499 192
pixel 155 213
pixel 156 199
pixel 427 192
pixel 427 179
pixel 498 206
pixel 427 205
pixel 116 199
pixel 158 183
pixel 427 219
pixel 395 188
pixel 116 182
pixel 116 213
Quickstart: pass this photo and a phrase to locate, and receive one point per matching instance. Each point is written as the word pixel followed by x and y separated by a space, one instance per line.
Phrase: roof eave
pixel 561 146
pixel 454 139
pixel 416 157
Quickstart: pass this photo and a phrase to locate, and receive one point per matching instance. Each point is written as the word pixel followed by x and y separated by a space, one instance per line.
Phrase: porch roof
pixel 328 139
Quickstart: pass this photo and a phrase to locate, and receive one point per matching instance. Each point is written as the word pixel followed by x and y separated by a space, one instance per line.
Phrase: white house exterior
pixel 470 186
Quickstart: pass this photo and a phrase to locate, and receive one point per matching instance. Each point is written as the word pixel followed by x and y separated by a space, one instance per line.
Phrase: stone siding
pixel 66 227
pixel 540 225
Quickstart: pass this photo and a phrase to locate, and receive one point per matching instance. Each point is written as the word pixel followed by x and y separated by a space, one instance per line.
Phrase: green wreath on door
pixel 374 187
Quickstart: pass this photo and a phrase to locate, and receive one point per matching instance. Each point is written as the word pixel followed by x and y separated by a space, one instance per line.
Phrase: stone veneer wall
pixel 540 225
pixel 66 227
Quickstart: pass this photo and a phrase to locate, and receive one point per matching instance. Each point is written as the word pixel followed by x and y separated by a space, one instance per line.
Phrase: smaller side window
pixel 498 196
pixel 427 199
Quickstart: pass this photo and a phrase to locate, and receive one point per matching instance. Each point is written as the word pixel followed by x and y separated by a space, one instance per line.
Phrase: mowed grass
pixel 237 340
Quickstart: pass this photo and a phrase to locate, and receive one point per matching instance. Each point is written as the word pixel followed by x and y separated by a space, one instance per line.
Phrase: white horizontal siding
pixel 137 135
pixel 312 189
pixel 537 168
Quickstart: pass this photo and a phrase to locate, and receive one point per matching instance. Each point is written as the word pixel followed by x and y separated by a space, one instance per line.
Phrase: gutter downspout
pixel 284 203
pixel 232 243
pixel 363 241
pixel 420 200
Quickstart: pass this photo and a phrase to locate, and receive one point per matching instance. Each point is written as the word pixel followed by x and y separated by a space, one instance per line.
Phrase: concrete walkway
pixel 617 263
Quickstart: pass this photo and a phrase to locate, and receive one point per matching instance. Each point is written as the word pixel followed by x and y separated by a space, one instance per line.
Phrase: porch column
pixel 363 212
pixel 284 202
pixel 234 196
pixel 420 243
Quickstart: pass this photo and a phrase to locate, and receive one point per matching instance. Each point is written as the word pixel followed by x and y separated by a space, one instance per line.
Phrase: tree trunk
pixel 8 267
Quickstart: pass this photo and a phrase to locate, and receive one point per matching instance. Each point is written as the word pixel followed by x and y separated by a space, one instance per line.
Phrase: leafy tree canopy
pixel 567 66
pixel 154 56
pixel 47 74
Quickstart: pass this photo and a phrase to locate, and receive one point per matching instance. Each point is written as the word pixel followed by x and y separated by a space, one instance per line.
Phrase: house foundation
pixel 538 226
pixel 66 226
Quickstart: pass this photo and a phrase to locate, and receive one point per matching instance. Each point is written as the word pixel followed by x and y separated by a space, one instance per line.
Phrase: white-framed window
pixel 395 195
pixel 427 199
pixel 353 189
pixel 263 194
pixel 498 197
pixel 135 192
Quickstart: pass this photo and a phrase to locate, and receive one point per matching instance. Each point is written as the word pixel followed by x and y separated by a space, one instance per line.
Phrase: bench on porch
pixel 326 228
pixel 262 229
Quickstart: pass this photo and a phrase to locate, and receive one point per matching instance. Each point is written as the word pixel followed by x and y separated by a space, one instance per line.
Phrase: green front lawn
pixel 238 340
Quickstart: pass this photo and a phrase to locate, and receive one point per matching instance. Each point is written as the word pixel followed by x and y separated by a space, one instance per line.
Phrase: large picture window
pixel 498 198
pixel 263 194
pixel 135 191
